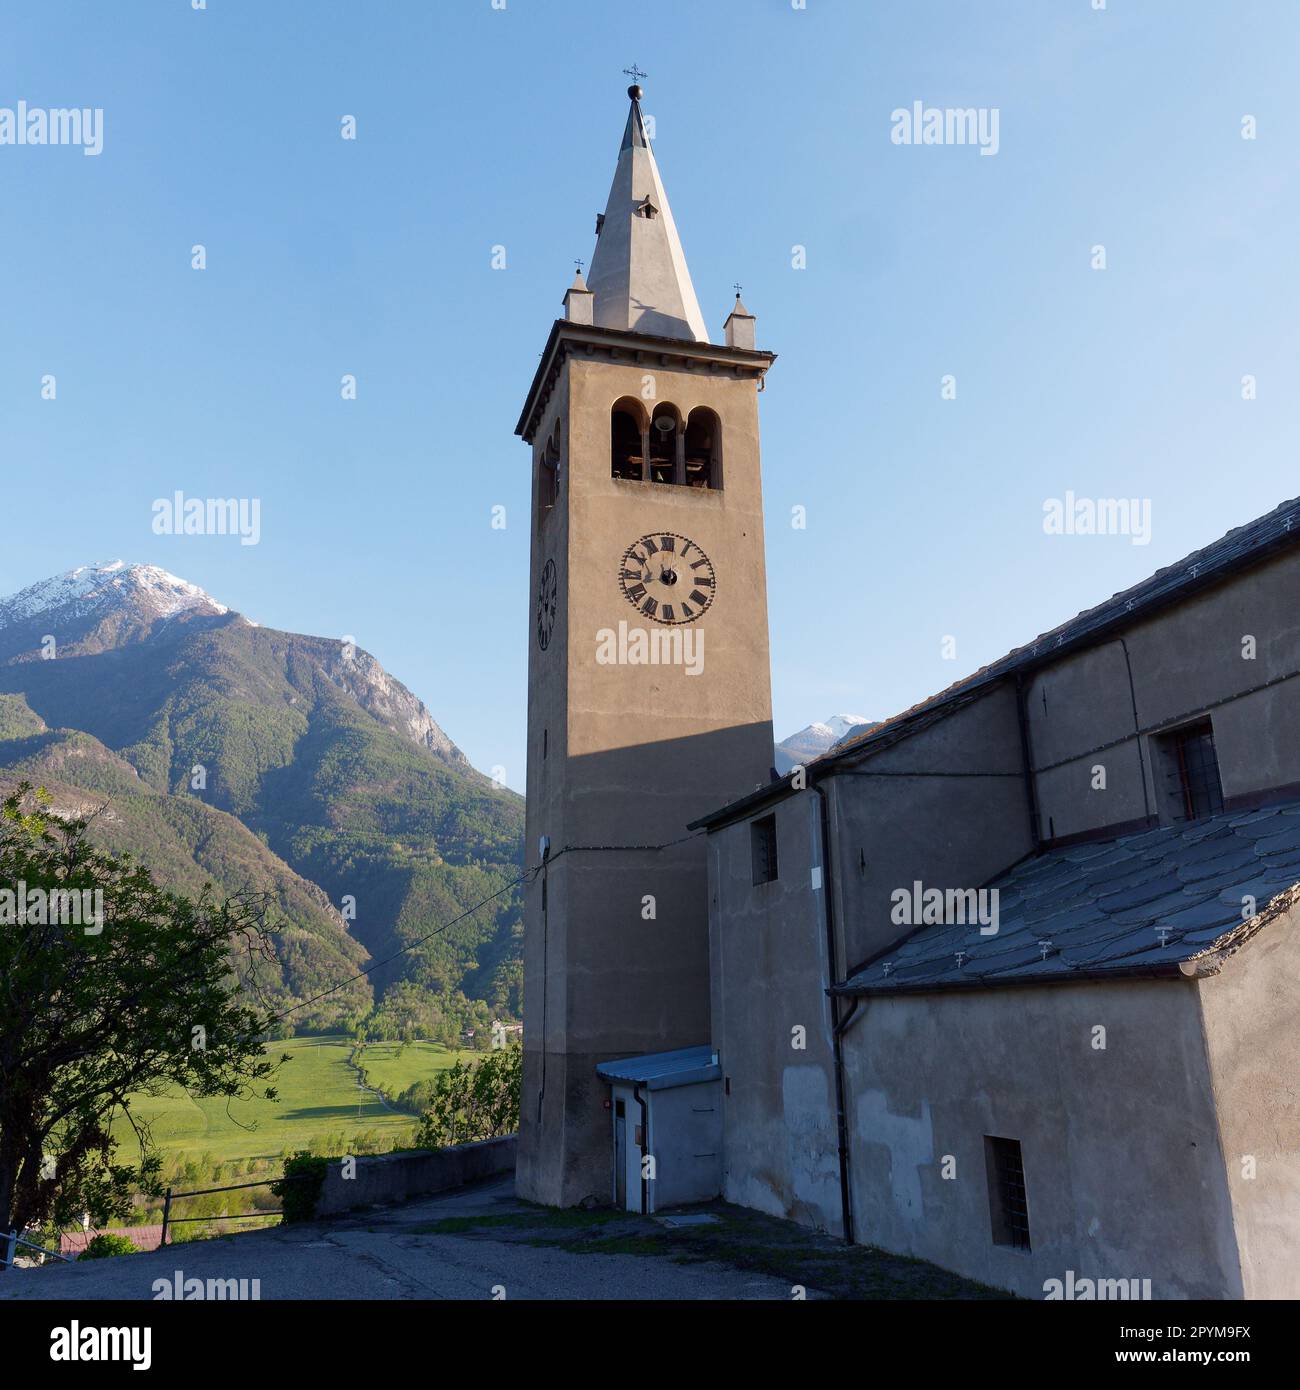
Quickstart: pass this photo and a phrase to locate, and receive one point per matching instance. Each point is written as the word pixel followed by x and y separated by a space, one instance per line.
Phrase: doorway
pixel 620 1156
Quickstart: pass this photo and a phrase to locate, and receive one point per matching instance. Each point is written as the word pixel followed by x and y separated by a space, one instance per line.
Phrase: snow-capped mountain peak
pixel 816 739
pixel 93 607
pixel 839 724
pixel 91 588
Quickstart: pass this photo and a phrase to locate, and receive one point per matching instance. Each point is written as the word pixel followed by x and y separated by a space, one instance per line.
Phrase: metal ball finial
pixel 635 92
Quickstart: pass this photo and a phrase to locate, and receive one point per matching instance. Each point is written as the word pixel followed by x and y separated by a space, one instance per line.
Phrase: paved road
pixel 378 1255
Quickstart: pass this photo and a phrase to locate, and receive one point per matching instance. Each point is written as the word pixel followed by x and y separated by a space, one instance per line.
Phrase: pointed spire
pixel 634 134
pixel 738 331
pixel 638 271
pixel 579 300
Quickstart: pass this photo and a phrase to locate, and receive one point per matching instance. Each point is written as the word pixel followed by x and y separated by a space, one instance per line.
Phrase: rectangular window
pixel 762 845
pixel 1192 788
pixel 1008 1207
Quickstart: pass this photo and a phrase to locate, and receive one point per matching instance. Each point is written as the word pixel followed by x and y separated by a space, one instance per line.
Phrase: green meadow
pixel 391 1067
pixel 320 1107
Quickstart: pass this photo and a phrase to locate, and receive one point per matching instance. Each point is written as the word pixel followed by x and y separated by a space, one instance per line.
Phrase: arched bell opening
pixel 627 440
pixel 665 444
pixel 703 449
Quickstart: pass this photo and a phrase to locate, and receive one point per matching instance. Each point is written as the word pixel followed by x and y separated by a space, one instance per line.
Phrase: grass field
pixel 320 1103
pixel 392 1067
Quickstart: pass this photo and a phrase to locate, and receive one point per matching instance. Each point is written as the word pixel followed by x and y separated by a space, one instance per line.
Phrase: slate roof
pixel 657 1071
pixel 1102 907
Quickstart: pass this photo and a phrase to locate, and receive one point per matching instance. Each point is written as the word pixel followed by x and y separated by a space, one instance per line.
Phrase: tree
pixel 142 996
pixel 475 1100
pixel 406 1012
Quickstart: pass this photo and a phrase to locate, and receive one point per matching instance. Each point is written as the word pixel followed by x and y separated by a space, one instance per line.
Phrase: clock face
pixel 548 594
pixel 667 577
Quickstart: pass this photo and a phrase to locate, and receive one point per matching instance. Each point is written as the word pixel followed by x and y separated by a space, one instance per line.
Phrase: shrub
pixel 299 1189
pixel 106 1244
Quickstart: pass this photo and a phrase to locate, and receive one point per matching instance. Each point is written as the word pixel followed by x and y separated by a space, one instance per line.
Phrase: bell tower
pixel 649 697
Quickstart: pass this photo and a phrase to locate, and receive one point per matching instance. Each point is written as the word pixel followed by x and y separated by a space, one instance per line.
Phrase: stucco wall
pixel 947 807
pixel 1123 1171
pixel 1182 662
pixel 618 961
pixel 1252 1031
pixel 768 946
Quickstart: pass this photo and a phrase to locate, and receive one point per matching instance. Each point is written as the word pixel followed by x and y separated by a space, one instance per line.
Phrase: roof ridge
pixel 1192 567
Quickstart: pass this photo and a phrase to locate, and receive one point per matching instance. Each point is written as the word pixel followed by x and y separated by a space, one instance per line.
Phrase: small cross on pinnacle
pixel 635 73
pixel 737 287
pixel 579 264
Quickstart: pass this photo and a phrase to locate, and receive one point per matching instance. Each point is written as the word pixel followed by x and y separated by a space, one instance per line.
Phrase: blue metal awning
pixel 657 1071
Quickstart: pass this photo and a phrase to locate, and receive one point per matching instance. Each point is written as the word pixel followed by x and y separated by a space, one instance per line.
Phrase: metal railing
pixel 169 1197
pixel 13 1240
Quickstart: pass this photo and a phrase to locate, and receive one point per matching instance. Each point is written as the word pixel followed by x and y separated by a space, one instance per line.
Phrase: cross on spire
pixel 737 286
pixel 635 73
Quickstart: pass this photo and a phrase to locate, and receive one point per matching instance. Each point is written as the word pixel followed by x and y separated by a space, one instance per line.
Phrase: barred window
pixel 762 843
pixel 1008 1205
pixel 1190 767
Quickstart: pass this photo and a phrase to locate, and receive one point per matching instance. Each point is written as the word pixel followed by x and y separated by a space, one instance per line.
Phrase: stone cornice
pixel 623 346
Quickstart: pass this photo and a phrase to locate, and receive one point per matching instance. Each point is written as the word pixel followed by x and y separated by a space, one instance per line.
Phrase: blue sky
pixel 478 127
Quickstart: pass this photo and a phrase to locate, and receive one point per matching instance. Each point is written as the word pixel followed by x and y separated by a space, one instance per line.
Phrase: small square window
pixel 762 844
pixel 1008 1205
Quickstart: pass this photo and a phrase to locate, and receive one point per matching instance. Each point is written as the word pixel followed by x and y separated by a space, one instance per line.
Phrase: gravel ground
pixel 393 1254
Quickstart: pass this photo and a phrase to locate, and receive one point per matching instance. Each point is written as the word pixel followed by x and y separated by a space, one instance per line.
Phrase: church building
pixel 1009 982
